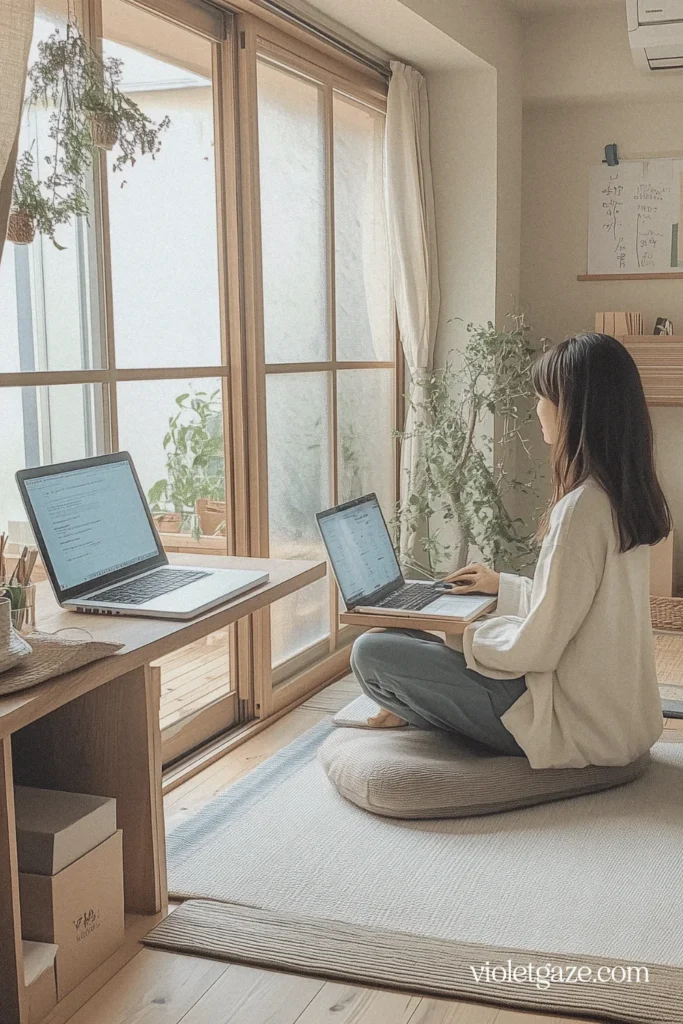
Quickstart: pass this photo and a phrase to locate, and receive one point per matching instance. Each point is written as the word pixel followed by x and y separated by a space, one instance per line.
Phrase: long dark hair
pixel 604 432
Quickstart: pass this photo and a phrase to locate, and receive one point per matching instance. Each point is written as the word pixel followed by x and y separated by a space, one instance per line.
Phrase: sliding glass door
pixel 170 398
pixel 223 314
pixel 328 326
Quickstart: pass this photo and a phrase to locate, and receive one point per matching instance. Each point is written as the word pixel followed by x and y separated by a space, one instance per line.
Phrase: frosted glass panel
pixel 163 211
pixel 174 431
pixel 39 426
pixel 365 410
pixel 298 487
pixel 293 223
pixel 365 323
pixel 299 621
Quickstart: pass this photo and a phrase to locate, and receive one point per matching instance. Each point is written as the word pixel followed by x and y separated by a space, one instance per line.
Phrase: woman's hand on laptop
pixel 473 577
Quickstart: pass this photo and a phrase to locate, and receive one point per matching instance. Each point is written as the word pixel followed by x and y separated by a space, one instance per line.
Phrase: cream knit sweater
pixel 581 634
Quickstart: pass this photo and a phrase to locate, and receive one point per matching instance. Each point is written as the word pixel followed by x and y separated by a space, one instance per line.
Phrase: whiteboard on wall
pixel 634 222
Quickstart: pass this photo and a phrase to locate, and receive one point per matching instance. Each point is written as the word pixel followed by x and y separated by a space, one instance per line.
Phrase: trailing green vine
pixel 89 112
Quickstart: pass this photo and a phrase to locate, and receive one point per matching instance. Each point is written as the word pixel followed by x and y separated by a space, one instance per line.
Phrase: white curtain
pixel 16 29
pixel 412 244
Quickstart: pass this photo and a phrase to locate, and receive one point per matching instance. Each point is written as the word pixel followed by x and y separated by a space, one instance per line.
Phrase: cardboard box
pixel 40 979
pixel 80 910
pixel 54 829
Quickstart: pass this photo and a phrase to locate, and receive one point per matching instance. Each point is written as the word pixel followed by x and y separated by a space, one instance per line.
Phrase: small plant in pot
pixel 194 484
pixel 88 112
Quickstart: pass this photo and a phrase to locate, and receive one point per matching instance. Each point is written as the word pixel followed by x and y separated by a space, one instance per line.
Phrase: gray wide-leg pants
pixel 415 675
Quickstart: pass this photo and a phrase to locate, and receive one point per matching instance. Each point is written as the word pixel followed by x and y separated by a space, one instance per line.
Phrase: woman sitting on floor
pixel 563 671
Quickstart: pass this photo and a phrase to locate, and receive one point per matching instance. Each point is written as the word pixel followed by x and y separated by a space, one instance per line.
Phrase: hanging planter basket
pixel 103 130
pixel 20 228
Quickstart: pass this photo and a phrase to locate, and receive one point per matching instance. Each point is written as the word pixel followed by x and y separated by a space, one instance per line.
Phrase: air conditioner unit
pixel 655 30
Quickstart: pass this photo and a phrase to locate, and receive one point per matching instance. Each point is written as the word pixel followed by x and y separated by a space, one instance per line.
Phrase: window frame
pixel 239 33
pixel 276 688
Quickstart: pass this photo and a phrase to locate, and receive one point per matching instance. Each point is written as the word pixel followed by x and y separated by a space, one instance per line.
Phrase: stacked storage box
pixel 39 978
pixel 70 880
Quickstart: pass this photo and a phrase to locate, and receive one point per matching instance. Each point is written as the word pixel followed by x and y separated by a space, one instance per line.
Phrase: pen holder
pixel 23 605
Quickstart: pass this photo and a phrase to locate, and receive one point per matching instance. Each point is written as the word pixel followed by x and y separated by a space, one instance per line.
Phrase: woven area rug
pixel 298 879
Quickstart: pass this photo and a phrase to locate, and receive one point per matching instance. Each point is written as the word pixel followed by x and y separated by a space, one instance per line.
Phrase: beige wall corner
pixel 493 31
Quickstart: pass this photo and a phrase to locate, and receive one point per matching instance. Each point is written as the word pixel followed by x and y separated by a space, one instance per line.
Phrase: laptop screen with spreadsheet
pixel 360 549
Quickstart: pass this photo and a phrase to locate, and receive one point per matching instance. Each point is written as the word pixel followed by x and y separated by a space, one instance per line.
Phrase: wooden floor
pixel 164 988
pixel 194 677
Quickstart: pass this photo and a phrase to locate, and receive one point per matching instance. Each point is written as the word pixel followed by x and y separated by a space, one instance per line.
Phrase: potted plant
pixel 89 112
pixel 194 485
pixel 168 522
pixel 211 516
pixel 462 480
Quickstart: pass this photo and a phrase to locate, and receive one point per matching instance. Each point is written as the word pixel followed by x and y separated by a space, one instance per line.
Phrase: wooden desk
pixel 96 731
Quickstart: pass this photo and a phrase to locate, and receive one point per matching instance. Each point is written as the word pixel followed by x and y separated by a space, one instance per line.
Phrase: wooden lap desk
pixel 431 623
pixel 96 730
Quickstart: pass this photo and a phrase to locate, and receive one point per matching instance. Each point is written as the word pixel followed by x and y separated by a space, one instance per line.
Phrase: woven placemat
pixel 52 655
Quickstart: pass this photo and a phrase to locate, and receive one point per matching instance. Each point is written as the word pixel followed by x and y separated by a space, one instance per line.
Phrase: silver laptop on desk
pixel 101 549
pixel 367 570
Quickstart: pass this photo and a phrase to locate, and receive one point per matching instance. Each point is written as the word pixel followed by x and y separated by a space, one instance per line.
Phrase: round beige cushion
pixel 414 773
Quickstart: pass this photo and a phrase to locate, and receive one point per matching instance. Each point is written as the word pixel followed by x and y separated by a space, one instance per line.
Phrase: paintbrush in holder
pixel 21 592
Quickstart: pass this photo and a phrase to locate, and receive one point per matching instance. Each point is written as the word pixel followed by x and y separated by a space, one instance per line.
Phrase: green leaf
pixel 156 491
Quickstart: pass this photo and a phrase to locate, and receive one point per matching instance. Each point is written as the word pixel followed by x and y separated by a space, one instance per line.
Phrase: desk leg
pixel 12 998
pixel 108 743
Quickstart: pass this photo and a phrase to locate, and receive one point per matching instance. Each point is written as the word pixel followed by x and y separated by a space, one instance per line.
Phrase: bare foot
pixel 386 720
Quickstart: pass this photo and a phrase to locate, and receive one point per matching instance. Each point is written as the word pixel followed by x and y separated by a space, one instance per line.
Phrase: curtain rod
pixel 374 63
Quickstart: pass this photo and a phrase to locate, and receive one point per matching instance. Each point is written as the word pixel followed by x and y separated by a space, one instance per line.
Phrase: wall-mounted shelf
pixel 673 276
pixel 659 359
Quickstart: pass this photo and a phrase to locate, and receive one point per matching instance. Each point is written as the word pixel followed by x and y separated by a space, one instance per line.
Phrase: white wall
pixel 463 150
pixel 584 55
pixel 561 144
pixel 493 32
pixel 582 92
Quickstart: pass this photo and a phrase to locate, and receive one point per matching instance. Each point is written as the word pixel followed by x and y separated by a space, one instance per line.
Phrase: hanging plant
pixel 89 112
pixel 43 207
pixel 114 119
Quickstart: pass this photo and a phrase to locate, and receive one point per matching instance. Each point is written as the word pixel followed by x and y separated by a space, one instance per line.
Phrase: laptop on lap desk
pixel 101 549
pixel 369 576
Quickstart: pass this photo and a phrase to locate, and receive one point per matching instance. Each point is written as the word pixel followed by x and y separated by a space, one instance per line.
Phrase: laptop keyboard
pixel 413 597
pixel 143 589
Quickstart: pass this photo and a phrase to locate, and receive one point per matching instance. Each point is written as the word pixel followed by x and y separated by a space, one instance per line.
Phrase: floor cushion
pixel 414 773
